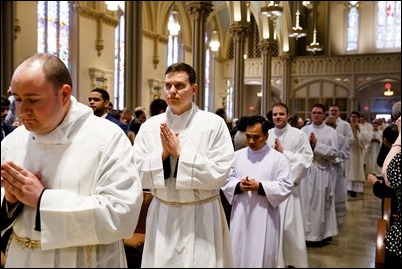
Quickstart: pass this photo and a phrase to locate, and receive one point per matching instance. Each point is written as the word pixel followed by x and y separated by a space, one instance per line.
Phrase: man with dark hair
pixel 317 192
pixel 157 106
pixel 184 156
pixel 258 183
pixel 99 100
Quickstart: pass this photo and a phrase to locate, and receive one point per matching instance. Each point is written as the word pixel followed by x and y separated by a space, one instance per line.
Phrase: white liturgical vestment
pixel 255 218
pixel 298 151
pixel 93 196
pixel 188 227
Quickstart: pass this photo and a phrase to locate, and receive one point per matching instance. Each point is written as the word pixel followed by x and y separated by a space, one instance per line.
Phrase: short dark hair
pixel 253 120
pixel 183 67
pixel 221 112
pixel 104 93
pixel 355 113
pixel 319 106
pixel 242 123
pixel 156 106
pixel 5 103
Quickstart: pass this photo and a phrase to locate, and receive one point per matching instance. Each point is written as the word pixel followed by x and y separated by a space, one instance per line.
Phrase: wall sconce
pixel 314 46
pixel 273 9
pixel 297 31
pixel 214 44
pixel 388 91
pixel 173 25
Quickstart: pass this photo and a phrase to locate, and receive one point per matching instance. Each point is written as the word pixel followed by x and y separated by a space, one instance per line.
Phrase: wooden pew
pixel 135 245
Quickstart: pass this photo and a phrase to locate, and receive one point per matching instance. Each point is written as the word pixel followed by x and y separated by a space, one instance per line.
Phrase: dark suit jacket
pixel 113 119
pixel 7 129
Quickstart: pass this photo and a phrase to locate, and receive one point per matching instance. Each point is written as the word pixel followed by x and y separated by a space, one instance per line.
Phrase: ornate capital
pixel 238 32
pixel 199 10
pixel 267 46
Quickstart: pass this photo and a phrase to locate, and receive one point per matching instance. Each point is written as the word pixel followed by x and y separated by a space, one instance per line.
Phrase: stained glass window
pixel 353 26
pixel 388 24
pixel 53 28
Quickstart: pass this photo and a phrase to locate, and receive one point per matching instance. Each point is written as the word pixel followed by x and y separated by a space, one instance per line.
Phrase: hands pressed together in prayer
pixel 278 146
pixel 20 185
pixel 170 142
pixel 249 184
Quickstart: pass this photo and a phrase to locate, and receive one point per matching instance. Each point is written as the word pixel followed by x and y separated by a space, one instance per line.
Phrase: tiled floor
pixel 354 246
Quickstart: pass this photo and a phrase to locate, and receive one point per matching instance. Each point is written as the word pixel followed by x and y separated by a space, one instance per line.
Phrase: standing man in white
pixel 184 157
pixel 258 182
pixel 317 192
pixel 72 192
pixel 294 144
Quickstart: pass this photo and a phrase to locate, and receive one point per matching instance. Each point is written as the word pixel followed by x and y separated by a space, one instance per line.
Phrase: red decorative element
pixel 389 10
pixel 388 85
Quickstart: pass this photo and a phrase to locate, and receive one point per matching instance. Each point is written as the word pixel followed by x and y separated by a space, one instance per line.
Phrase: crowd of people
pixel 72 176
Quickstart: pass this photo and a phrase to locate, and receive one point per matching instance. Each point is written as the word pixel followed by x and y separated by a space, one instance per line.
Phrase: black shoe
pixel 353 194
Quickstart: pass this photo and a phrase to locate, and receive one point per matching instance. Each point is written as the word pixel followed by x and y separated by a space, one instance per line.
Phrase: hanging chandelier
pixel 273 9
pixel 173 25
pixel 214 44
pixel 297 31
pixel 314 46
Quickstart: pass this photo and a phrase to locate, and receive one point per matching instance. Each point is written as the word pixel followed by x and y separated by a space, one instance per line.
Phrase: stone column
pixel 133 65
pixel 239 34
pixel 7 44
pixel 266 51
pixel 286 83
pixel 199 11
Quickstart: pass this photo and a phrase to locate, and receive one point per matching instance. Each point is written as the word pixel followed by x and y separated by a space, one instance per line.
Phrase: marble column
pixel 239 34
pixel 199 12
pixel 267 47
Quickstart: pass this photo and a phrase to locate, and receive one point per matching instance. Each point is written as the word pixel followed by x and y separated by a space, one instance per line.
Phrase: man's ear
pixel 66 93
pixel 195 88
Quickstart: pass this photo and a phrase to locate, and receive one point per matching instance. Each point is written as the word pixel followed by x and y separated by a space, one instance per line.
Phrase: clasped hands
pixel 20 185
pixel 249 184
pixel 170 142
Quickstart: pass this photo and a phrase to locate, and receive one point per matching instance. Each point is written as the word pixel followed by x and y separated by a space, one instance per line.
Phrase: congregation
pixel 290 177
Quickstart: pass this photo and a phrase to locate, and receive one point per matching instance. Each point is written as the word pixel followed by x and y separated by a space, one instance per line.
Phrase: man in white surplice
pixel 317 192
pixel 340 182
pixel 184 157
pixel 258 182
pixel 71 176
pixel 294 144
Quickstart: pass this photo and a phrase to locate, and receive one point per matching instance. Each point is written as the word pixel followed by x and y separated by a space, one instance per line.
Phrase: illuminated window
pixel 53 28
pixel 388 24
pixel 353 26
pixel 119 60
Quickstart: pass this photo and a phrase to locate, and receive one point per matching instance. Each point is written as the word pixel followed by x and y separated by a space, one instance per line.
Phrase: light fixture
pixel 314 46
pixel 214 44
pixel 272 9
pixel 173 25
pixel 297 31
pixel 112 5
pixel 388 91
